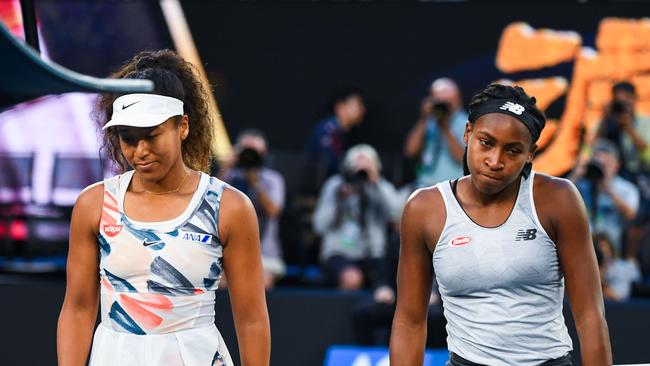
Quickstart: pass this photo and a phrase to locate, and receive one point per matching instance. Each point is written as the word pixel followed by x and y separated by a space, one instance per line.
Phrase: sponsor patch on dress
pixel 195 237
pixel 459 241
pixel 112 230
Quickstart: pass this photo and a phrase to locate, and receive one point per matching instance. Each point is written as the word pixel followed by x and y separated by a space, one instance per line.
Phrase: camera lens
pixel 356 177
pixel 441 108
pixel 249 158
pixel 594 172
pixel 362 175
pixel 617 107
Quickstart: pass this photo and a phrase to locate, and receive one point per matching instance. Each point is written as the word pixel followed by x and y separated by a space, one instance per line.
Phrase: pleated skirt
pixel 193 347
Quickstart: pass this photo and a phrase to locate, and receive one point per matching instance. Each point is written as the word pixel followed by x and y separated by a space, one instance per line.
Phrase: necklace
pixel 178 188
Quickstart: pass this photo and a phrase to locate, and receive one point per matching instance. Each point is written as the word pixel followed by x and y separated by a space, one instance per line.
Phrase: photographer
pixel 329 138
pixel 629 132
pixel 352 215
pixel 437 136
pixel 266 189
pixel 611 200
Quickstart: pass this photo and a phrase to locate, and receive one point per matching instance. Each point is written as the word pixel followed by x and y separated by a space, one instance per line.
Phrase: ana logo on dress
pixel 112 230
pixel 459 241
pixel 196 237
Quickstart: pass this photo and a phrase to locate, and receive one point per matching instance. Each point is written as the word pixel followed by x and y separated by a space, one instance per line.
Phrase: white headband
pixel 143 110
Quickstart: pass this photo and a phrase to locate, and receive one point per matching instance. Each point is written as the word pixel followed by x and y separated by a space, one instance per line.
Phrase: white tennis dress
pixel 158 282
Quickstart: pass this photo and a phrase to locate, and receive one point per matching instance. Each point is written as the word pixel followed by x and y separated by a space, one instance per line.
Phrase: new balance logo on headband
pixel 513 107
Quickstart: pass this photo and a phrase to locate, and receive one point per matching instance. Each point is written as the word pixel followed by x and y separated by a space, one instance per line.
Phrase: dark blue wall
pixel 275 63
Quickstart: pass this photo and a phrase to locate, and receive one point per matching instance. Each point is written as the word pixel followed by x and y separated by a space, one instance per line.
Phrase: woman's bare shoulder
pixel 235 212
pixel 425 213
pixel 424 199
pixel 234 201
pixel 554 190
pixel 88 208
pixel 91 197
pixel 555 198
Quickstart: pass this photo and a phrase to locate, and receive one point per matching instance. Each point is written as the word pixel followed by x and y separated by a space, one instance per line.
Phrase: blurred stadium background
pixel 272 66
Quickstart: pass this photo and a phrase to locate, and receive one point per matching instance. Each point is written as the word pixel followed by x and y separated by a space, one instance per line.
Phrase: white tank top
pixel 159 277
pixel 502 288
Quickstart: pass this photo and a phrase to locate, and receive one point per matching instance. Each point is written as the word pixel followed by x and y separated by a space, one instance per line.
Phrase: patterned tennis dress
pixel 158 282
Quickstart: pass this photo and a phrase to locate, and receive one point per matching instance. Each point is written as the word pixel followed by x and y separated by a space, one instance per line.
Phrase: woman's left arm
pixel 242 261
pixel 578 261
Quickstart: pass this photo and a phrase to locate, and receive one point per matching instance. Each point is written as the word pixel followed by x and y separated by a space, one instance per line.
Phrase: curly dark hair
pixel 173 77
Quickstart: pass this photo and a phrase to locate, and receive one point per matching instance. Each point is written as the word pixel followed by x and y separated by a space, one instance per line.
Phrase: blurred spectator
pixel 353 212
pixel 437 137
pixel 611 200
pixel 629 131
pixel 372 319
pixel 266 189
pixel 328 139
pixel 631 134
pixel 617 274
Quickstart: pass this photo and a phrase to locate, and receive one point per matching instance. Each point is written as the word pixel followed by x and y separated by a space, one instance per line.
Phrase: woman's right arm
pixel 420 225
pixel 79 311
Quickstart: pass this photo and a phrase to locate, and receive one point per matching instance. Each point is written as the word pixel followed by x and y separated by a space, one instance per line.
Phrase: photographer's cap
pixel 607 146
pixel 143 110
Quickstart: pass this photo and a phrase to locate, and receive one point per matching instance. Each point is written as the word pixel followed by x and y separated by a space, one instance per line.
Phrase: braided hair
pixel 517 94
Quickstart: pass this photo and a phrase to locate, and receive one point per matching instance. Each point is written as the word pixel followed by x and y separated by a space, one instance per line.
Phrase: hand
pixel 384 295
pixel 426 107
pixel 434 298
pixel 269 279
pixel 252 177
pixel 443 122
pixel 579 170
pixel 346 190
pixel 610 166
pixel 624 121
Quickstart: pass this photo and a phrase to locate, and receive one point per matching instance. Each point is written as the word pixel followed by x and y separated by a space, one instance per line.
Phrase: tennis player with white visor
pixel 150 245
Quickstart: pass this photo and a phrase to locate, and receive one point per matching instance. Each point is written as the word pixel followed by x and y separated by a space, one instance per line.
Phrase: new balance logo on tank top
pixel 502 288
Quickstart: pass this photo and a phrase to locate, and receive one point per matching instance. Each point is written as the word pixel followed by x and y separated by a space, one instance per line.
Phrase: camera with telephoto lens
pixel 618 107
pixel 249 159
pixel 355 176
pixel 441 109
pixel 594 172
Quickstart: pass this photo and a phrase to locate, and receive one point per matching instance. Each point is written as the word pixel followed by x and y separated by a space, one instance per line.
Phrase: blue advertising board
pixel 375 356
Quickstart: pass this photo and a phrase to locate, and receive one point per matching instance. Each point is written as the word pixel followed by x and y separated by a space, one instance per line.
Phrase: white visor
pixel 143 110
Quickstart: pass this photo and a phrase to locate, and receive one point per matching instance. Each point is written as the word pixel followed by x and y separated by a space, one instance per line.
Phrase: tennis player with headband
pixel 503 241
pixel 150 245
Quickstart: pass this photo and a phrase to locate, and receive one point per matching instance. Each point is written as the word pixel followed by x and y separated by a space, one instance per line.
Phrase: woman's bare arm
pixel 578 261
pixel 422 222
pixel 242 258
pixel 79 311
